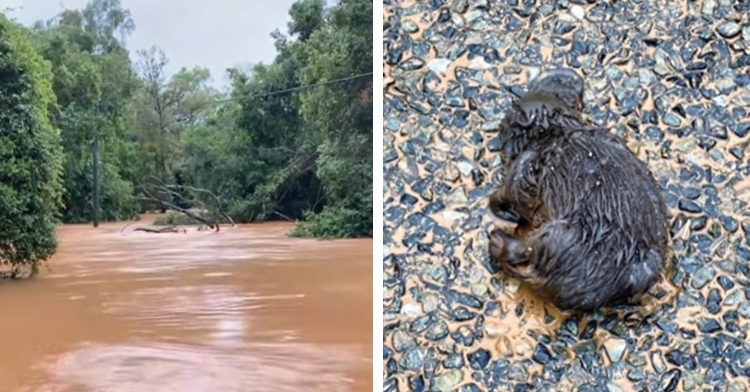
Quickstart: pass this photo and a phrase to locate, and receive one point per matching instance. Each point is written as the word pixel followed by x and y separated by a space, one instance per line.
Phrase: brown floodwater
pixel 244 309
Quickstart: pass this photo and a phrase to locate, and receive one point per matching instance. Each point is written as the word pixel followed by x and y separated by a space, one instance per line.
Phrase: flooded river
pixel 245 309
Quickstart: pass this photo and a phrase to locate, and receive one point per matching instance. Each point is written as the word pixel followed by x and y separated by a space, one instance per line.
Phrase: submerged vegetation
pixel 290 140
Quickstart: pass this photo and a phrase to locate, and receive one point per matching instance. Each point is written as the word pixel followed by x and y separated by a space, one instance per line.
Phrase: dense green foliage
pixel 30 153
pixel 290 140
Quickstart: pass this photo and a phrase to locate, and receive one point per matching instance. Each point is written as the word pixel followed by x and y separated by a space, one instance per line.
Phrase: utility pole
pixel 95 168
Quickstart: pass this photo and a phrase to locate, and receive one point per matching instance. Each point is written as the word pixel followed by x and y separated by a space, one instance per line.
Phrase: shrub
pixel 332 223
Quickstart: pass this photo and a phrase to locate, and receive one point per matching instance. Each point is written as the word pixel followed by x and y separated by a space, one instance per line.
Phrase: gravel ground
pixel 672 79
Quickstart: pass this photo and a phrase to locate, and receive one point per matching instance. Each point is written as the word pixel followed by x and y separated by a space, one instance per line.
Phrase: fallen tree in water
pixel 165 229
pixel 169 196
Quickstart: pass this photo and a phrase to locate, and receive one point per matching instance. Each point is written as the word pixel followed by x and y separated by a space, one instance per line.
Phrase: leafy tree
pixel 30 157
pixel 93 81
pixel 343 114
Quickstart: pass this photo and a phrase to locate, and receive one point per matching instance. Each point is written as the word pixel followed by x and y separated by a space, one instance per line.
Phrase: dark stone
pixel 478 360
pixel 689 206
pixel 454 361
pixel 525 387
pixel 588 330
pixel 463 298
pixel 666 326
pixel 390 385
pixel 698 223
pixel 716 373
pixel 541 354
pixel 421 324
pixel 670 380
pixel 438 330
pixel 463 336
pixel 679 358
pixel 725 283
pixel 708 325
pixel 689 192
pixel 391 367
pixel 416 383
pixel 713 301
pixel 729 223
pixel 462 314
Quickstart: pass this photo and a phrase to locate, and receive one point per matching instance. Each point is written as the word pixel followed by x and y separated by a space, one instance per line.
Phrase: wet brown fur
pixel 592 225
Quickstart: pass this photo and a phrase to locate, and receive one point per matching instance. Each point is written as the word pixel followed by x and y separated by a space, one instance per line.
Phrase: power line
pixel 298 88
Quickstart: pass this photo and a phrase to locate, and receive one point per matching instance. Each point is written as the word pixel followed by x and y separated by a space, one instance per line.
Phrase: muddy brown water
pixel 245 309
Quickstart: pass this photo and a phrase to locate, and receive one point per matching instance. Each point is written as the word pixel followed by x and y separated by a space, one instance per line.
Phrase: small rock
pixel 448 381
pixel 437 331
pixel 439 66
pixel 728 29
pixel 636 374
pixel 446 346
pixel 465 168
pixel 729 223
pixel 689 206
pixel 479 289
pixel 670 380
pixel 736 386
pixel 691 380
pixel 541 354
pixel 709 325
pixel 413 359
pixel 708 7
pixel 460 6
pixel 451 173
pixel 671 120
pixel 578 12
pixel 657 362
pixel 613 388
pixel 458 197
pixel 615 349
pixel 430 302
pixel 702 277
pixel 402 341
pixel 518 372
pixel 512 286
pixel 734 298
pixel 454 361
pixel 410 27
pixel 479 64
pixel 478 360
pixel 453 216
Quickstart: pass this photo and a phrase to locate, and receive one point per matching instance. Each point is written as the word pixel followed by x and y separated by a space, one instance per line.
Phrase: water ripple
pixel 169 368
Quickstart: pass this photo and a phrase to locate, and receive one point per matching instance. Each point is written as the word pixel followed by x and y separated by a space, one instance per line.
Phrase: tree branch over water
pixel 180 192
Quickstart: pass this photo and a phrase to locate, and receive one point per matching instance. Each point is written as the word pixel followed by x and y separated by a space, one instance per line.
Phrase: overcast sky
pixel 216 34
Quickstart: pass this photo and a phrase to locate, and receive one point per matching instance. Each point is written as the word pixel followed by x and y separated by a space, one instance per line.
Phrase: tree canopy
pixel 292 139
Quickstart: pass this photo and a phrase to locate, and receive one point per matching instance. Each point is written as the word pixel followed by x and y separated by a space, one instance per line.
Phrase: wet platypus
pixel 592 224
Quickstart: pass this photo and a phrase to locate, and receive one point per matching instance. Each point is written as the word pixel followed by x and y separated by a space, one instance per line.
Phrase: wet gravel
pixel 672 79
